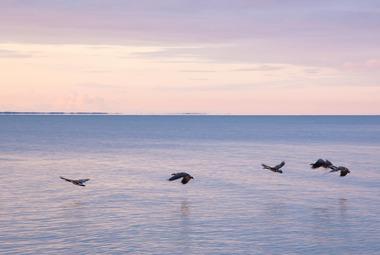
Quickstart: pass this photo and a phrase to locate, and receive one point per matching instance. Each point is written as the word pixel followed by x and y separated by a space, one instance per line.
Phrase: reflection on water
pixel 185 231
pixel 343 207
pixel 231 207
pixel 185 210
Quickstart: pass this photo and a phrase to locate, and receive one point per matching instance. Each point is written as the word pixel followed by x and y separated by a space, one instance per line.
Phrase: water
pixel 231 207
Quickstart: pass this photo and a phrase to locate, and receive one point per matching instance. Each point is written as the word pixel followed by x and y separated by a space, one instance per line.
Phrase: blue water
pixel 231 207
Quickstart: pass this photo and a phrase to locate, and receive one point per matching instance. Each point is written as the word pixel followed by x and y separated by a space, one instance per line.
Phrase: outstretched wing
pixel 328 163
pixel 186 179
pixel 75 182
pixel 63 178
pixel 176 176
pixel 83 180
pixel 266 167
pixel 280 165
pixel 320 162
pixel 334 169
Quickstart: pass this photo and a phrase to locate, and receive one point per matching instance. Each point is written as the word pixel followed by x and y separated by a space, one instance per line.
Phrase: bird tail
pixel 172 178
pixel 175 176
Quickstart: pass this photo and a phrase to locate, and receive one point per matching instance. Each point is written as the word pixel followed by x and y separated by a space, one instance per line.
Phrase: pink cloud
pixel 368 65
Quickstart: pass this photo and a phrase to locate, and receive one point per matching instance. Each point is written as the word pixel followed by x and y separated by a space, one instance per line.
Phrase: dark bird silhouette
pixel 343 170
pixel 321 163
pixel 185 177
pixel 275 169
pixel 79 182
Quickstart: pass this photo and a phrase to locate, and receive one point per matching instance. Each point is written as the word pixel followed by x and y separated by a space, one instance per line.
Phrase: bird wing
pixel 280 165
pixel 176 176
pixel 186 179
pixel 266 166
pixel 328 163
pixel 63 178
pixel 320 162
pixel 83 180
pixel 333 168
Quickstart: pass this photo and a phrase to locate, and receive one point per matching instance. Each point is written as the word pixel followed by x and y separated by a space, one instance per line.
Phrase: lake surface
pixel 232 206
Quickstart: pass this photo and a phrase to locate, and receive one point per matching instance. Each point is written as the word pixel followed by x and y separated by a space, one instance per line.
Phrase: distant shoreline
pixel 177 114
pixel 96 113
pixel 53 113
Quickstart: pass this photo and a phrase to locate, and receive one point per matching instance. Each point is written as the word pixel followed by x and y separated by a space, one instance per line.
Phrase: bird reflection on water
pixel 343 208
pixel 330 217
pixel 185 209
pixel 185 227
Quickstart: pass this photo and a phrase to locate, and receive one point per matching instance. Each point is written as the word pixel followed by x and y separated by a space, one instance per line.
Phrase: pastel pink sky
pixel 216 56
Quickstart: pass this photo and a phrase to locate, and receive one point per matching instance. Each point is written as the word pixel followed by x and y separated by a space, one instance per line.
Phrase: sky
pixel 190 56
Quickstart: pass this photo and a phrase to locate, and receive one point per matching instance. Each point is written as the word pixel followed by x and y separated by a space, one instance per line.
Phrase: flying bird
pixel 185 177
pixel 343 170
pixel 321 163
pixel 79 182
pixel 275 169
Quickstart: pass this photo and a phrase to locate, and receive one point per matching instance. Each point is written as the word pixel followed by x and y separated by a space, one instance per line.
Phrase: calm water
pixel 232 207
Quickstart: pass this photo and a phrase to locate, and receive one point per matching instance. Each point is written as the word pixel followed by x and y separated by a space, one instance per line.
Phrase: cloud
pixel 80 102
pixel 14 54
pixel 296 32
pixel 183 21
pixel 94 85
pixel 195 52
pixel 217 87
pixel 260 68
pixel 197 71
pixel 255 68
pixel 97 71
pixel 312 70
pixel 367 65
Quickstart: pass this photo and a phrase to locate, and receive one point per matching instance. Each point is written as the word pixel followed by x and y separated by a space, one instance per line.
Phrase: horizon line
pixel 60 113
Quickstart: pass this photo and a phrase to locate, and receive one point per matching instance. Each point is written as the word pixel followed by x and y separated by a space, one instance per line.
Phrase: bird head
pixel 344 172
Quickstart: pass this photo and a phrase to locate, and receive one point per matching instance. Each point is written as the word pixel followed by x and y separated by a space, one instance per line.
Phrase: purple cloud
pixel 298 32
